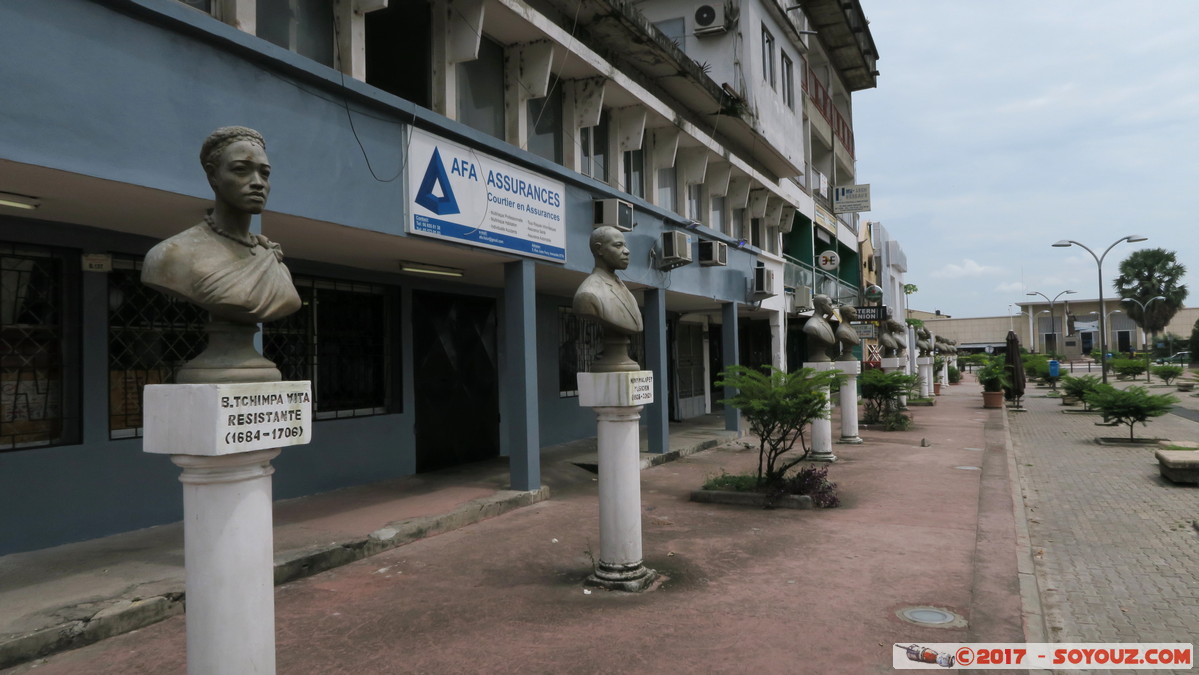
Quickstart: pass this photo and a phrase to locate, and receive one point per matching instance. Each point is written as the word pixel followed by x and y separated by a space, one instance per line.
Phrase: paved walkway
pixel 1116 555
pixel 926 520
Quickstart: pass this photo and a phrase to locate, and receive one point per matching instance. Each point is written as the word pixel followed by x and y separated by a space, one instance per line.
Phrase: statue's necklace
pixel 212 226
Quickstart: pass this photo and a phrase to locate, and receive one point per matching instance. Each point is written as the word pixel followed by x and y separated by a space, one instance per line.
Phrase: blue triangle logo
pixel 436 178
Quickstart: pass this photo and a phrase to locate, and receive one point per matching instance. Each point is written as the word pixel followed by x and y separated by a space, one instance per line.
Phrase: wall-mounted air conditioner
pixel 763 286
pixel 799 300
pixel 709 20
pixel 713 253
pixel 676 250
pixel 614 212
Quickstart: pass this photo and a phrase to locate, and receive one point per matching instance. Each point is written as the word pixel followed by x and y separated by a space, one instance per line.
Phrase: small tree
pixel 881 392
pixel 1167 373
pixel 1080 387
pixel 778 405
pixel 1128 367
pixel 1129 406
pixel 993 375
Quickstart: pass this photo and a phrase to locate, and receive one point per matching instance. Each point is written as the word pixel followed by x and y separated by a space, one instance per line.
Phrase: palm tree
pixel 1144 275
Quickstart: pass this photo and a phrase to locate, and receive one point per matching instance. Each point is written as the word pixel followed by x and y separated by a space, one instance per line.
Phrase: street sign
pixel 866 330
pixel 851 198
pixel 873 313
pixel 828 260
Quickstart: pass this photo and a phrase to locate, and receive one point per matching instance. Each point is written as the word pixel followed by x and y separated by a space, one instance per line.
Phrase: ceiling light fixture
pixel 425 268
pixel 16 201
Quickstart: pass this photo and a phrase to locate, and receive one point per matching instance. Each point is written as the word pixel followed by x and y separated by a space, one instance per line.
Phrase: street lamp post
pixel 1109 321
pixel 1052 325
pixel 1102 308
pixel 1144 333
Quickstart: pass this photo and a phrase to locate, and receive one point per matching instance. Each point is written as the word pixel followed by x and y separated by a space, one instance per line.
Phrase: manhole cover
pixel 931 616
pixel 968 468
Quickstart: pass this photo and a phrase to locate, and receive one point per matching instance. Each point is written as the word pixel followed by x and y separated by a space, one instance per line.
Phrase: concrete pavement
pixel 927 520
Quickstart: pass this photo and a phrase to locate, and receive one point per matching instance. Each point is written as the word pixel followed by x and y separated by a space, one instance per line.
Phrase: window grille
pixel 339 339
pixel 38 349
pixel 580 342
pixel 150 337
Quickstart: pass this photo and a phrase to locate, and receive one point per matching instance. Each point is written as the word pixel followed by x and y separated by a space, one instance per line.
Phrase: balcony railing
pixel 823 102
pixel 798 274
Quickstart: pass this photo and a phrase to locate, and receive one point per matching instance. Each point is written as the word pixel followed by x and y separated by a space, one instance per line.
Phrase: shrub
pixel 1080 386
pixel 881 392
pixel 1128 367
pixel 993 375
pixel 955 375
pixel 1168 373
pixel 1129 406
pixel 777 406
pixel 813 481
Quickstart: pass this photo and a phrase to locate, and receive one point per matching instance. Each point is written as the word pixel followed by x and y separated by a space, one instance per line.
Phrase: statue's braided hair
pixel 223 138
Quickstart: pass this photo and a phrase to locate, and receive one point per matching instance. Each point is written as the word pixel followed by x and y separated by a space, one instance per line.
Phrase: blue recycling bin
pixel 1055 368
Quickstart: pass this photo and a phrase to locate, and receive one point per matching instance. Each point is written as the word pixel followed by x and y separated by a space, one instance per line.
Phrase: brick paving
pixel 1116 556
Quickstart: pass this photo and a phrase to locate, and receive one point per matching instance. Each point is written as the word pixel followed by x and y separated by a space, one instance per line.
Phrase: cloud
pixel 1010 287
pixel 968 268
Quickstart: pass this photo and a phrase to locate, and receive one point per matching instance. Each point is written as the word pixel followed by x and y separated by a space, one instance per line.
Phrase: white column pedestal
pixel 924 365
pixel 224 437
pixel 229 562
pixel 849 401
pixel 618 399
pixel 892 364
pixel 822 427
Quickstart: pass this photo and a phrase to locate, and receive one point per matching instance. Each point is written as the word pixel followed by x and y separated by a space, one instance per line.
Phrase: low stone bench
pixel 1179 466
pixel 1186 386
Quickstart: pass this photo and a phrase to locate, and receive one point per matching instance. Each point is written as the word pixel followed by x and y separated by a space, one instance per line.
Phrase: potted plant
pixel 993 377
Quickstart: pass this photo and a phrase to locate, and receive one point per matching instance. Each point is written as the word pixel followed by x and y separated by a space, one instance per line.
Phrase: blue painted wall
pixel 126 91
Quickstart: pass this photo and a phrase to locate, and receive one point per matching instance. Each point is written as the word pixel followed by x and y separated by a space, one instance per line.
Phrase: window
pixel 788 77
pixel 150 336
pixel 768 56
pixel 755 232
pixel 545 126
pixel 738 225
pixel 580 341
pixel 716 219
pixel 302 26
pixel 634 171
pixel 666 189
pixel 399 46
pixel 340 340
pixel 481 90
pixel 695 201
pixel 675 29
pixel 39 371
pixel 202 5
pixel 594 150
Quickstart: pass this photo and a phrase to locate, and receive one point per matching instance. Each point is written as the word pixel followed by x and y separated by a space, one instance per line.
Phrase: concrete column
pixel 822 427
pixel 924 365
pixel 229 561
pixel 617 398
pixel 657 413
pixel 849 401
pixel 520 354
pixel 731 349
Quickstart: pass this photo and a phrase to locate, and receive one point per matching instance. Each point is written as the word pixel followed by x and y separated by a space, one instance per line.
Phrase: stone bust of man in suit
pixel 603 297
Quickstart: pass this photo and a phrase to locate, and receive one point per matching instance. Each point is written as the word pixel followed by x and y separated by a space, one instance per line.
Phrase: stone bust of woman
pixel 218 264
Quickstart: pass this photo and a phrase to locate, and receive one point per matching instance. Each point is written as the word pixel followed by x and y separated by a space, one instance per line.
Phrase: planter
pixel 936 388
pixel 1070 400
pixel 992 399
pixel 762 501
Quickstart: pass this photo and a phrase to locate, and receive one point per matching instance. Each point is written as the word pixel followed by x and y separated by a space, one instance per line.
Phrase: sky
pixel 999 128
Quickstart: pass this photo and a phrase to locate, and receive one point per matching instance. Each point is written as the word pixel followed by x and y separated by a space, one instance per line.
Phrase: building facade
pixel 438 168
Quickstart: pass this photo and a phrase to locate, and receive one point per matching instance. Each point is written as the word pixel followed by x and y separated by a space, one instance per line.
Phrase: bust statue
pixel 603 297
pixel 847 337
pixel 899 335
pixel 924 342
pixel 818 331
pixel 220 266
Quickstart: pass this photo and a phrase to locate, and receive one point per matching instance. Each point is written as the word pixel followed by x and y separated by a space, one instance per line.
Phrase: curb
pixel 1035 621
pixel 123 616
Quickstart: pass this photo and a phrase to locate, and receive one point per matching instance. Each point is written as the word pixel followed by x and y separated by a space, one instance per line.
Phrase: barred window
pixel 39 359
pixel 150 337
pixel 341 339
pixel 580 342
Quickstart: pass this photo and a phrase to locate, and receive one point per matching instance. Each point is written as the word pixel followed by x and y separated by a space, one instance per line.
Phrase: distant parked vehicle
pixel 1181 358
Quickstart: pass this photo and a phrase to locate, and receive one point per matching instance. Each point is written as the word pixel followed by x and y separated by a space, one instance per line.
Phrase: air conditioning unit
pixel 709 20
pixel 763 282
pixel 713 253
pixel 800 300
pixel 676 250
pixel 614 212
